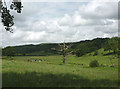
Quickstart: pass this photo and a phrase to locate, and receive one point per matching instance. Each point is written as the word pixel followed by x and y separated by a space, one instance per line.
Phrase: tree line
pixel 77 48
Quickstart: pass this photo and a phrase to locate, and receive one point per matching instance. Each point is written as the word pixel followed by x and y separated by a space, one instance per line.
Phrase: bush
pixel 95 53
pixel 80 53
pixel 94 63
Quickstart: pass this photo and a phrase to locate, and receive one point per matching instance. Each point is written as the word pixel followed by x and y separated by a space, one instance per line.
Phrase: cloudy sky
pixel 48 22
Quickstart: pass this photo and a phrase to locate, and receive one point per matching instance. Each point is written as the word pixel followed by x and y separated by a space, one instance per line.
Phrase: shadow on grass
pixel 110 53
pixel 36 79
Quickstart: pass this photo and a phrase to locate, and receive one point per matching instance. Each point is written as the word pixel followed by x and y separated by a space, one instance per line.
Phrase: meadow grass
pixel 51 73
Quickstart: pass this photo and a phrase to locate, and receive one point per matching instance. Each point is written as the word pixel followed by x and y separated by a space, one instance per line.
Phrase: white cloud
pixel 57 22
pixel 66 20
pixel 99 10
pixel 34 36
pixel 78 20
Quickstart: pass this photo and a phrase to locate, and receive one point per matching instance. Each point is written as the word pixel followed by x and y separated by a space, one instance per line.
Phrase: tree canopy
pixel 9 51
pixel 78 48
pixel 112 44
pixel 6 17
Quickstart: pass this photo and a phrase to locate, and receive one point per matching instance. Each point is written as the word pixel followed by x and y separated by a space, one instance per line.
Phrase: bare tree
pixel 63 49
pixel 111 58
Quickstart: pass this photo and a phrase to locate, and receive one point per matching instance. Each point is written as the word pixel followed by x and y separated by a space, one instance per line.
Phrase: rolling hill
pixel 46 49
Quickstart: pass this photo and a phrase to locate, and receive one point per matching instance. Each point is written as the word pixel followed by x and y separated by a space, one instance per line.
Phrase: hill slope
pixel 46 49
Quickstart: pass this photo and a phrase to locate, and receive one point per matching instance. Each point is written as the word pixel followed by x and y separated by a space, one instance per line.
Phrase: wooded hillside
pixel 78 48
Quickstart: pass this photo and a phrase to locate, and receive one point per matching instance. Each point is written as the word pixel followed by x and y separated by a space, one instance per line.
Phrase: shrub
pixel 80 53
pixel 95 53
pixel 94 63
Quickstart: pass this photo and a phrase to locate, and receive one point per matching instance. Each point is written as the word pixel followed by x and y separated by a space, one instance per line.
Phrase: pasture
pixel 48 71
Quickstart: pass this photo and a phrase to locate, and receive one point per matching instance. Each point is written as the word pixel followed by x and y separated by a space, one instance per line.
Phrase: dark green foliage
pixel 7 18
pixel 112 44
pixel 89 46
pixel 78 48
pixel 82 49
pixel 118 54
pixel 94 63
pixel 106 46
pixel 80 52
pixel 95 53
pixel 8 51
pixel 41 49
pixel 16 6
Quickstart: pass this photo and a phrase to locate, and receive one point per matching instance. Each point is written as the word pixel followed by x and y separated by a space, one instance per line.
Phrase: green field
pixel 48 71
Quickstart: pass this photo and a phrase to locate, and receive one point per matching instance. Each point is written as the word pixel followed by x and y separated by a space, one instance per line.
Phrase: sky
pixel 53 22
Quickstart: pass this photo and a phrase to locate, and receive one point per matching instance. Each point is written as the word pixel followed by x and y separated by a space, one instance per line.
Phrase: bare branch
pixel 66 47
pixel 70 52
pixel 61 48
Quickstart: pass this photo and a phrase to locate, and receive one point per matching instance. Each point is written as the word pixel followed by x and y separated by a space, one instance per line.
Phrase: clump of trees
pixel 82 50
pixel 8 51
pixel 89 46
pixel 112 44
pixel 107 44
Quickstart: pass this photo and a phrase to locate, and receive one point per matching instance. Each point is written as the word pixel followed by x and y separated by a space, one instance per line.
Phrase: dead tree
pixel 63 49
pixel 110 58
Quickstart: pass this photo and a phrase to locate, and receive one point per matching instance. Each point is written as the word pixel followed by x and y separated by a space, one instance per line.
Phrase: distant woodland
pixel 77 48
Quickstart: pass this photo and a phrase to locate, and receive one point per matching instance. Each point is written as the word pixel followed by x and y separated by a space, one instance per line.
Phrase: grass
pixel 51 73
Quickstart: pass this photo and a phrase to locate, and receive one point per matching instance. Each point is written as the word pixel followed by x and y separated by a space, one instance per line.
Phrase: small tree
pixel 94 63
pixel 82 49
pixel 77 53
pixel 80 52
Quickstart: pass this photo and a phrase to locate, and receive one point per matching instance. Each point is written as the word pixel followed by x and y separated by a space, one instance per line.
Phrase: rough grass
pixel 51 73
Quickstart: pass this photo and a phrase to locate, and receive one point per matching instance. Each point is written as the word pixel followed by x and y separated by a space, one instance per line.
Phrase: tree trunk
pixel 111 62
pixel 64 53
pixel 63 59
